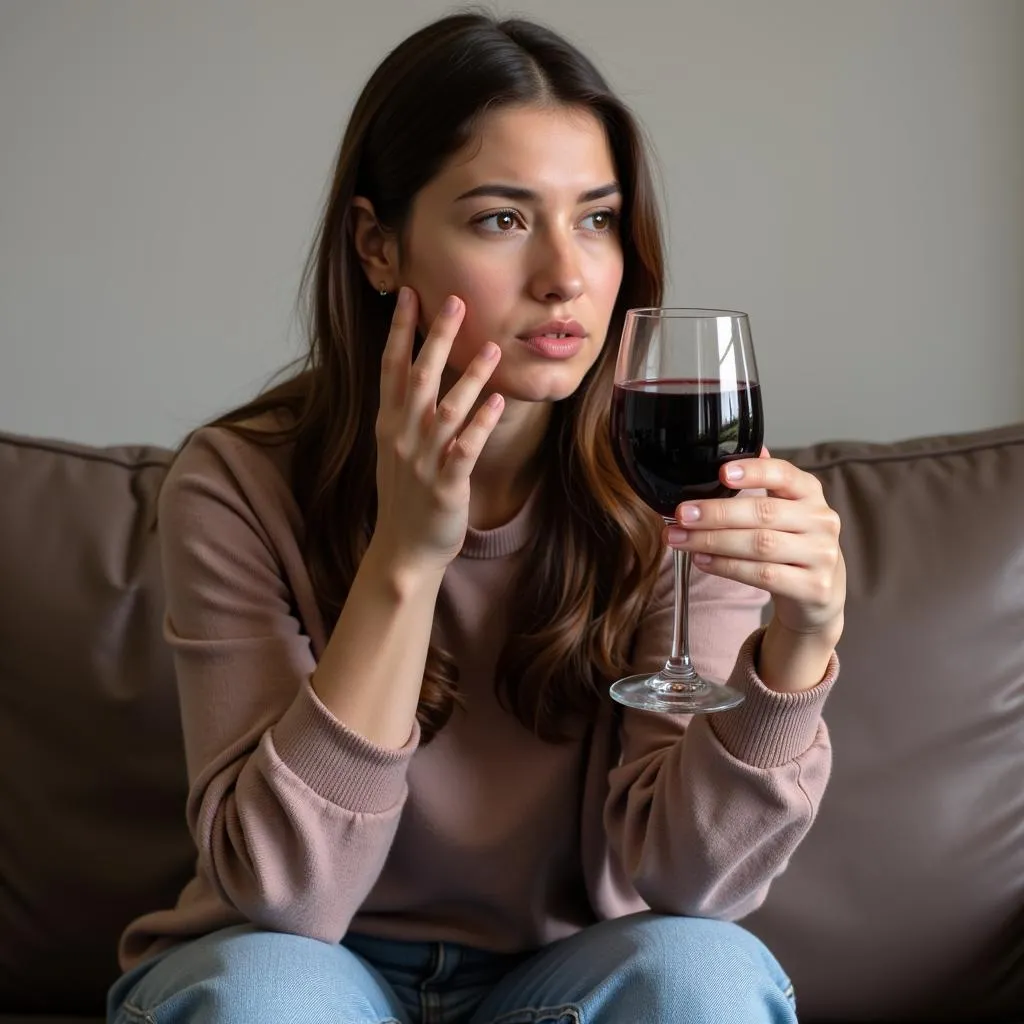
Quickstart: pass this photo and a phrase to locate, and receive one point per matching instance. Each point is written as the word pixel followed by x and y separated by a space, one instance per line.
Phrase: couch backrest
pixel 92 779
pixel 905 900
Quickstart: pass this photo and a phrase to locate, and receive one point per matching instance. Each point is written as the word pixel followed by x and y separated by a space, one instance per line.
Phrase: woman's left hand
pixel 785 542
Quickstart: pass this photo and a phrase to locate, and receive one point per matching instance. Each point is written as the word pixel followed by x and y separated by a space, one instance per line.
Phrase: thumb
pixel 765 454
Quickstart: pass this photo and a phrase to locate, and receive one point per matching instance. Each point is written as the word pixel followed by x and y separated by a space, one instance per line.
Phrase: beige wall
pixel 849 171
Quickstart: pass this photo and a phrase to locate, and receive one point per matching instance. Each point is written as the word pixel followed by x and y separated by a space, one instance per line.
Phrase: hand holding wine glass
pixel 687 430
pixel 785 542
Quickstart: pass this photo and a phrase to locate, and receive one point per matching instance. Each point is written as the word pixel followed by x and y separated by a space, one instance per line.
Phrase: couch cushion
pixel 92 782
pixel 906 899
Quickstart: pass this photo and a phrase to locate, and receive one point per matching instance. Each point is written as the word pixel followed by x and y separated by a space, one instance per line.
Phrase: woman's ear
pixel 376 247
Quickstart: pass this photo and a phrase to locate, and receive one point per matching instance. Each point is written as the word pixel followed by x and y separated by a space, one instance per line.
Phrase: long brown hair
pixel 592 568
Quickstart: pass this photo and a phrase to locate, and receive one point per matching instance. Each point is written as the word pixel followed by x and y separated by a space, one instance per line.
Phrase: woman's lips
pixel 553 348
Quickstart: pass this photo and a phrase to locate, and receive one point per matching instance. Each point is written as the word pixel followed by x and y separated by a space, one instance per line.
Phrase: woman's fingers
pixel 395 361
pixel 809 550
pixel 785 542
pixel 780 478
pixel 437 430
pixel 452 410
pixel 783 582
pixel 425 372
pixel 463 451
pixel 752 512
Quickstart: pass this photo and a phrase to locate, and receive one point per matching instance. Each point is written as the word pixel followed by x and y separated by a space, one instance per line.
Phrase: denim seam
pixel 567 1012
pixel 138 1013
pixel 429 1000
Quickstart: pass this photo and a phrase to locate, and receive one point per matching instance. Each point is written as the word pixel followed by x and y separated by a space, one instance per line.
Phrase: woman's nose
pixel 557 276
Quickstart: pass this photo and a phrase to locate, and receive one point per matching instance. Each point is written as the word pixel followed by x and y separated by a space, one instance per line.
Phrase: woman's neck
pixel 507 470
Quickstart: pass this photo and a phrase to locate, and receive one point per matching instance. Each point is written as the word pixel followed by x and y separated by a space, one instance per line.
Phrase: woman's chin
pixel 539 396
pixel 550 386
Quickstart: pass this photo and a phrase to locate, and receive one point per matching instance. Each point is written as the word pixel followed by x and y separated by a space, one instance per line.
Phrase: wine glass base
pixel 637 692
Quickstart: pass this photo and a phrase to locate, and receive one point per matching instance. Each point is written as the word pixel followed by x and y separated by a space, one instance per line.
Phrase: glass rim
pixel 684 313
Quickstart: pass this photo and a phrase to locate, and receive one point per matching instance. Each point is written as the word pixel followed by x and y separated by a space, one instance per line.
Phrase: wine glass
pixel 686 401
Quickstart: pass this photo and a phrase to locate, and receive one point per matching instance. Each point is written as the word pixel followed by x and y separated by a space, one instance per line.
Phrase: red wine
pixel 671 437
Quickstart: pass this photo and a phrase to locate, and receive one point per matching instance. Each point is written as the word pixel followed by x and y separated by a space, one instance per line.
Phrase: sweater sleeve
pixel 704 811
pixel 292 813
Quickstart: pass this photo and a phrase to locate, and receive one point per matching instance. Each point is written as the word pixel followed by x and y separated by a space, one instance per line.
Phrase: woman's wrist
pixel 790 662
pixel 399 579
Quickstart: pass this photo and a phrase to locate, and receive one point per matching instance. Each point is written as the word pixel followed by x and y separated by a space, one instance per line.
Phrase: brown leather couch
pixel 905 903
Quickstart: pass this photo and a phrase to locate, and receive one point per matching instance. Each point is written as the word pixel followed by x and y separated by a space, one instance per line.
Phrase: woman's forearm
pixel 371 671
pixel 790 662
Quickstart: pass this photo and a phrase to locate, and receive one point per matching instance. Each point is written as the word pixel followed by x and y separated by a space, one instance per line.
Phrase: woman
pixel 399 583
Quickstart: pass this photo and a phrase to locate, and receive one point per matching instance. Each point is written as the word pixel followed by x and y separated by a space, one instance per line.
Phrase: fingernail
pixel 689 513
pixel 702 559
pixel 404 295
pixel 490 351
pixel 733 472
pixel 677 536
pixel 451 306
pixel 495 401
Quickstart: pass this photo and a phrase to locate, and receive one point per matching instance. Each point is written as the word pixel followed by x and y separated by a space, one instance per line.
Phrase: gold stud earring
pixel 383 288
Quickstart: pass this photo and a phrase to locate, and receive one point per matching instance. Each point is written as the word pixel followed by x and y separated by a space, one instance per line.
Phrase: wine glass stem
pixel 679 669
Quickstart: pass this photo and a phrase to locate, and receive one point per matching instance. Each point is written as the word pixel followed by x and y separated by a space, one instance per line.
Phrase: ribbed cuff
pixel 338 764
pixel 770 728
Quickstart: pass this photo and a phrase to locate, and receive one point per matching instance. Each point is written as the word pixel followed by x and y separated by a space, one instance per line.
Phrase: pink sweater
pixel 487 836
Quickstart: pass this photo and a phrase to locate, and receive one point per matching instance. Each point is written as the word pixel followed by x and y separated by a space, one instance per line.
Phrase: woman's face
pixel 523 225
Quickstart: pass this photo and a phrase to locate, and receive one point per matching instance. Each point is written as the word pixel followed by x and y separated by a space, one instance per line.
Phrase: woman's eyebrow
pixel 525 195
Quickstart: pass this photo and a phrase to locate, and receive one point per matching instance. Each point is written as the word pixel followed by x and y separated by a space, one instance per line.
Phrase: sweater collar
pixel 507 539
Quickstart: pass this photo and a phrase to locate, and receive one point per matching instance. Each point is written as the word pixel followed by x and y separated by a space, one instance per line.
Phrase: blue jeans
pixel 642 968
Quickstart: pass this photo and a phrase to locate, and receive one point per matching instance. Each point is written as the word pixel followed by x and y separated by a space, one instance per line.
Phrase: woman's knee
pixel 703 970
pixel 699 941
pixel 243 974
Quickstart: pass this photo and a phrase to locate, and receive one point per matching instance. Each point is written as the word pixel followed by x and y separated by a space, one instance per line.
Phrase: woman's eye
pixel 501 222
pixel 600 222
